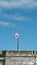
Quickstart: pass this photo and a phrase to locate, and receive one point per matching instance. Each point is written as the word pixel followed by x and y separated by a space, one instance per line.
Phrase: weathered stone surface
pixel 1 63
pixel 19 53
pixel 18 57
pixel 0 52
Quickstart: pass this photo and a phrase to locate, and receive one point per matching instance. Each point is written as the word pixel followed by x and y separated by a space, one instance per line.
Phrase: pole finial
pixel 16 35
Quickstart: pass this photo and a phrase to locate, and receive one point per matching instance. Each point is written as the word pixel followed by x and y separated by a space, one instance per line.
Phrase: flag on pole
pixel 16 35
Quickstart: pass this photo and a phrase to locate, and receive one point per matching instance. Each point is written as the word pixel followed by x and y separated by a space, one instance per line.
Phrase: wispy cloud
pixel 4 23
pixel 11 4
pixel 16 17
pixel 18 4
pixel 7 24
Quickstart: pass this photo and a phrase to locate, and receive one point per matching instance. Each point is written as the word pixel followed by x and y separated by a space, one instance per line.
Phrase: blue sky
pixel 18 16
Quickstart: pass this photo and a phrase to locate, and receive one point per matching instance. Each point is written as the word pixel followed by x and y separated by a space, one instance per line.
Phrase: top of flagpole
pixel 16 35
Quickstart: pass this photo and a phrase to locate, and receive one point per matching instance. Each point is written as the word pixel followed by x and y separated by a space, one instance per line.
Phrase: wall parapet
pixel 20 53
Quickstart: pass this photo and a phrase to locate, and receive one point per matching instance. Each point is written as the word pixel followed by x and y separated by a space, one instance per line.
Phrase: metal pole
pixel 18 43
pixel 17 38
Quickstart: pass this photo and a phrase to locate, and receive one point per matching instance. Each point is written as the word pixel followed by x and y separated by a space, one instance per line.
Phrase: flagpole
pixel 18 43
pixel 17 38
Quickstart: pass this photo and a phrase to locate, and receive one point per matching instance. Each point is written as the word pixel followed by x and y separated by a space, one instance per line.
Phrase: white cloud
pixel 18 4
pixel 7 24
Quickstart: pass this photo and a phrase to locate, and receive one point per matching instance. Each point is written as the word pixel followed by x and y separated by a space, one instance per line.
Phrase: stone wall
pixel 18 57
pixel 21 58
